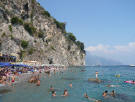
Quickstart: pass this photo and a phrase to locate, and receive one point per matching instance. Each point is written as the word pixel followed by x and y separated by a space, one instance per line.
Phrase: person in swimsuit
pixel 13 78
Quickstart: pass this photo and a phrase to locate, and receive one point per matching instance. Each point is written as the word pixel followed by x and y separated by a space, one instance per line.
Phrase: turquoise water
pixel 25 92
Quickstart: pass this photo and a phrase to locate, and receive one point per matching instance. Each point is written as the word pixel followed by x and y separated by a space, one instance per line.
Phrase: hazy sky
pixel 107 27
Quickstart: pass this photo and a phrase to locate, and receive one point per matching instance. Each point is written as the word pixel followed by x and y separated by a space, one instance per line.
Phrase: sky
pixel 107 27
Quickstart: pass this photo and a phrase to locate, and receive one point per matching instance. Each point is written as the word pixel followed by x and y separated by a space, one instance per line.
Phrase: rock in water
pixel 94 80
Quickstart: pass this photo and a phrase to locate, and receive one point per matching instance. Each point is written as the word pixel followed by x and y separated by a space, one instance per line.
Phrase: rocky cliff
pixel 28 31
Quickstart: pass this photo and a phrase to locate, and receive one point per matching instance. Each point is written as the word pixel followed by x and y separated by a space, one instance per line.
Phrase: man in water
pixel 53 93
pixel 105 93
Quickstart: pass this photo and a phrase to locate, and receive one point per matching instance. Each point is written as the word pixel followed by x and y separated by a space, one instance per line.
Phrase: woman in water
pixel 65 93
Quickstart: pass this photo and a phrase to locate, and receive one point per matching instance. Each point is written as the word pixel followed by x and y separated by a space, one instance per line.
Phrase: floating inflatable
pixel 130 81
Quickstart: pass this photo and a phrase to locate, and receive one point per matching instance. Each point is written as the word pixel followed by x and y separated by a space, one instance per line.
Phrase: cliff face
pixel 30 33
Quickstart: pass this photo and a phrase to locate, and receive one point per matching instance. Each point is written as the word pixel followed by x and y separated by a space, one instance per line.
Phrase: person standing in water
pixel 85 95
pixel 96 75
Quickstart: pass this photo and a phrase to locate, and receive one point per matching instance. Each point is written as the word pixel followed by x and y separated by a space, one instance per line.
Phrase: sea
pixel 78 76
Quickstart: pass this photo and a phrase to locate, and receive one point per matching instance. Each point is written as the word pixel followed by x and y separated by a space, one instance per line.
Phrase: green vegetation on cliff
pixel 29 28
pixel 24 44
pixel 16 20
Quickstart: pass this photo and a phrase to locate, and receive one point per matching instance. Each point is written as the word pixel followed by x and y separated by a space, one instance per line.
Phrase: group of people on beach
pixel 10 75
pixel 7 76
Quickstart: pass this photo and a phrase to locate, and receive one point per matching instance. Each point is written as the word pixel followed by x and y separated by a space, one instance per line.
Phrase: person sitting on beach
pixel 38 82
pixel 53 93
pixel 105 93
pixel 65 93
pixel 112 93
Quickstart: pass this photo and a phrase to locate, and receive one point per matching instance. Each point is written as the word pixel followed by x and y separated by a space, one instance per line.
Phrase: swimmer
pixel 70 85
pixel 105 93
pixel 112 93
pixel 38 82
pixel 53 93
pixel 65 93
